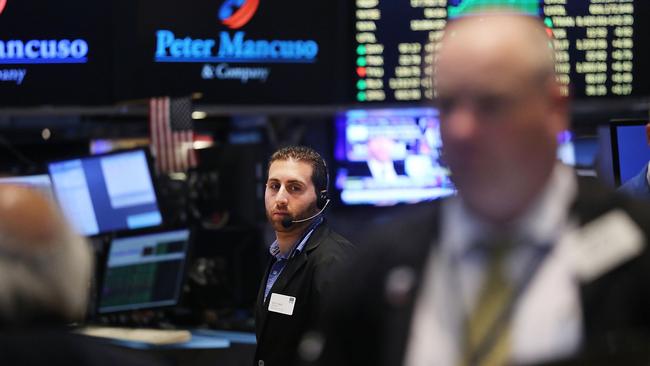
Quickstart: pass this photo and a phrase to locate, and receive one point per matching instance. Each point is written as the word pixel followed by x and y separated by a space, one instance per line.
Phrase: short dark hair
pixel 319 175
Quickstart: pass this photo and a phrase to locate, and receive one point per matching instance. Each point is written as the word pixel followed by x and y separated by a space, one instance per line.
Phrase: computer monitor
pixel 40 182
pixel 144 271
pixel 107 193
pixel 389 156
pixel 630 149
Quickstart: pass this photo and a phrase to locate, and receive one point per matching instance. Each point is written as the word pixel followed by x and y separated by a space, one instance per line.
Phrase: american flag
pixel 170 126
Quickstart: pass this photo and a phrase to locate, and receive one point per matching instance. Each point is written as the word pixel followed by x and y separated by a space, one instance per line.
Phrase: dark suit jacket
pixel 307 277
pixel 369 325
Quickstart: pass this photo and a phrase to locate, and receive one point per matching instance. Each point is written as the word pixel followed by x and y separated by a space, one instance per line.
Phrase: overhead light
pixel 46 134
pixel 199 115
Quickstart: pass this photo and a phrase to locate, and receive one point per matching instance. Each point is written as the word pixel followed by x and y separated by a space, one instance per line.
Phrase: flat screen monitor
pixel 630 149
pixel 390 156
pixel 40 182
pixel 107 193
pixel 144 271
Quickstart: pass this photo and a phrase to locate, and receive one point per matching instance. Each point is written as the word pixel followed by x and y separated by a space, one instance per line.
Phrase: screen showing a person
pixel 390 156
pixel 632 152
pixel 144 271
pixel 106 193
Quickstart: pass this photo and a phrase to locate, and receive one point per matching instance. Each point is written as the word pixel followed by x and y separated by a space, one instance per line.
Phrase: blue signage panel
pixel 55 53
pixel 233 51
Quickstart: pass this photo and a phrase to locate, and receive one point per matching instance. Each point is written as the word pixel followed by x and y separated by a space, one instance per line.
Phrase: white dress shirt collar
pixel 539 225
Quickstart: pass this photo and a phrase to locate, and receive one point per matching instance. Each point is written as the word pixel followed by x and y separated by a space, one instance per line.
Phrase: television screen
pixel 144 271
pixel 106 193
pixel 601 46
pixel 390 156
pixel 630 149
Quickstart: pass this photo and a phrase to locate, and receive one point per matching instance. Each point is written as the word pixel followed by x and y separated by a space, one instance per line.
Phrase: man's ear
pixel 559 112
pixel 647 132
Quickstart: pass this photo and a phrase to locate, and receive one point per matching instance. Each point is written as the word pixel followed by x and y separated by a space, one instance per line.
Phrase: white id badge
pixel 282 304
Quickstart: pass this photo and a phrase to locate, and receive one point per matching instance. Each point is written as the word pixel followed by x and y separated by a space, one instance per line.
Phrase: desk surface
pixel 199 338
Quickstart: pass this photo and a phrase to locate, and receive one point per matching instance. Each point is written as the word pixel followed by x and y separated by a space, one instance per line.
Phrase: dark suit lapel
pixel 293 266
pixel 422 234
pixel 603 327
pixel 298 261
pixel 398 323
pixel 289 271
pixel 260 306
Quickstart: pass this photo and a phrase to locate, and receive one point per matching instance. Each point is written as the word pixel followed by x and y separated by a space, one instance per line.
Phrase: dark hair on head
pixel 319 175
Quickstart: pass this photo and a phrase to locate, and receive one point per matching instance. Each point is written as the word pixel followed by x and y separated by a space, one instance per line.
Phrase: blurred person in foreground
pixel 528 263
pixel 45 271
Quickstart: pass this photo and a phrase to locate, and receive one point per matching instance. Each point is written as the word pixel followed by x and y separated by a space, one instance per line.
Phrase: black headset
pixel 322 197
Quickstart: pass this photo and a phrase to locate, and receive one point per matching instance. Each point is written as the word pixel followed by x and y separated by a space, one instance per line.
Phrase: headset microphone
pixel 288 221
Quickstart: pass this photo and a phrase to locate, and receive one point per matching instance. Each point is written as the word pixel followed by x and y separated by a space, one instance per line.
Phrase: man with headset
pixel 304 256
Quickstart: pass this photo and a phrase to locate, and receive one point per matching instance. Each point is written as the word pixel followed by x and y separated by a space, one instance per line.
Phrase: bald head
pixel 27 214
pixel 45 268
pixel 495 41
pixel 501 110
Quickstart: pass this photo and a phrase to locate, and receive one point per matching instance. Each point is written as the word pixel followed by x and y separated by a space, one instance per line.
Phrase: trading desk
pixel 183 347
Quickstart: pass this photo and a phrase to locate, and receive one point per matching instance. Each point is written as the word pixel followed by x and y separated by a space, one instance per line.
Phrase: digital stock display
pixel 232 51
pixel 599 45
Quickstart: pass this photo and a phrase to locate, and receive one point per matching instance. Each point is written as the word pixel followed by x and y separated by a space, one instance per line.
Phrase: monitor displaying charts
pixel 144 271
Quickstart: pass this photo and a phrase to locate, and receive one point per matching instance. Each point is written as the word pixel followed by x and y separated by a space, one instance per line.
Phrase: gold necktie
pixel 487 340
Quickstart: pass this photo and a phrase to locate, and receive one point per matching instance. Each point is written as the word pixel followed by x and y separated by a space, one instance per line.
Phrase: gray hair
pixel 47 280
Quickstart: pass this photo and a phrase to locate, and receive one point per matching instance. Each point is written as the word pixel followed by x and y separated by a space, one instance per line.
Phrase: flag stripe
pixel 173 149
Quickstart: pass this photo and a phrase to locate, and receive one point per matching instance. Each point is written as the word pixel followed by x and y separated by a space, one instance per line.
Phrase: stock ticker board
pixel 598 45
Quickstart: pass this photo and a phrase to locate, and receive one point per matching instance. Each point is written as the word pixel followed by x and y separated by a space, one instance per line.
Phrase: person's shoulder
pixel 616 214
pixel 333 246
pixel 403 227
pixel 595 200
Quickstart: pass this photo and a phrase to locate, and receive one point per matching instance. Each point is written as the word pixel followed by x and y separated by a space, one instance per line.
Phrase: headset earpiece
pixel 322 199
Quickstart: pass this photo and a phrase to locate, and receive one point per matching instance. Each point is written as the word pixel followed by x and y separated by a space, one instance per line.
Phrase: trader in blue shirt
pixel 304 257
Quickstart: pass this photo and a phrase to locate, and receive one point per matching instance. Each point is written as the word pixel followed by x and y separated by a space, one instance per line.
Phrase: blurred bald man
pixel 527 263
pixel 45 272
